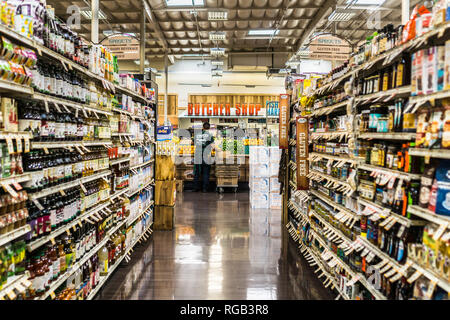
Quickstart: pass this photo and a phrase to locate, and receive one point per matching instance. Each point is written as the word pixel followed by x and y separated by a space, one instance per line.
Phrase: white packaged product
pixel 275 154
pixel 275 200
pixel 259 200
pixel 260 171
pixel 260 185
pixel 259 155
pixel 274 169
pixel 274 185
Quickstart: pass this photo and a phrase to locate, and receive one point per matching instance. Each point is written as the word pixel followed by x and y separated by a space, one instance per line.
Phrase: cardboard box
pixel 165 168
pixel 260 185
pixel 164 218
pixel 165 193
pixel 179 186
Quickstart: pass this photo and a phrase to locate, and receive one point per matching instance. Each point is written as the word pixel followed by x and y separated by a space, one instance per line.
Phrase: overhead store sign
pixel 225 110
pixel 284 121
pixel 124 47
pixel 302 153
pixel 272 108
pixel 328 48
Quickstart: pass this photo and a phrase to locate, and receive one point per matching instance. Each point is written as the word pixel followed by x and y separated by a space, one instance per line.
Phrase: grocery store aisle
pixel 220 249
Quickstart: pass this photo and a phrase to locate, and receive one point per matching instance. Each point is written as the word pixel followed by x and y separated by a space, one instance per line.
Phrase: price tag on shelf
pixel 68 231
pixel 443 226
pixel 395 278
pixel 20 288
pixel 52 240
pixel 9 189
pixel 79 150
pixel 446 237
pixel 415 276
pixel 57 107
pixel 63 193
pixel 46 150
pixel 381 264
pixel 370 257
pixel 10 145
pixel 46 106
pixel 52 295
pixel 74 227
pixel 83 187
pixel 64 65
pixel 76 112
pixel 70 66
pixel 16 185
pixel 386 268
pixel 65 108
pixel 11 295
pixel 405 267
pixel 27 145
pixel 391 272
pixel 19 145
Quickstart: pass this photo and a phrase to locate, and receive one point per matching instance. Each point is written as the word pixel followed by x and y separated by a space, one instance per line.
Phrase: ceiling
pixel 185 30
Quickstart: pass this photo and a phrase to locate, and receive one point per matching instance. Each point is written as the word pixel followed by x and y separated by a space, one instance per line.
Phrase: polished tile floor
pixel 219 249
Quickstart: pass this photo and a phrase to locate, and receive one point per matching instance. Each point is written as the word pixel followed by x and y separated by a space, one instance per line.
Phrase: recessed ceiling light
pixel 217 15
pixel 87 13
pixel 216 52
pixel 263 32
pixel 184 3
pixel 366 2
pixel 217 36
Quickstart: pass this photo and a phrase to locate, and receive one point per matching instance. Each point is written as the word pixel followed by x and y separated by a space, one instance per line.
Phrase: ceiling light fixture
pixel 366 2
pixel 341 15
pixel 217 15
pixel 217 36
pixel 184 3
pixel 217 62
pixel 217 52
pixel 263 32
pixel 87 13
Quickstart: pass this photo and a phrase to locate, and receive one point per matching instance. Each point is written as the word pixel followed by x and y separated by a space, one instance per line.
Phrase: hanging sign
pixel 164 133
pixel 302 153
pixel 225 109
pixel 284 121
pixel 272 108
pixel 123 47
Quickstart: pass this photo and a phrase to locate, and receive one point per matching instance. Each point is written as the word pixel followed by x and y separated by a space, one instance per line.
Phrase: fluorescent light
pixel 216 52
pixel 217 15
pixel 366 2
pixel 184 3
pixel 263 32
pixel 138 62
pixel 217 62
pixel 217 36
pixel 341 16
pixel 87 13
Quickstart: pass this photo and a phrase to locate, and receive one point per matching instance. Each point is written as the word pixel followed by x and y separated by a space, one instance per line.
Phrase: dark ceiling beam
pixel 151 17
pixel 320 14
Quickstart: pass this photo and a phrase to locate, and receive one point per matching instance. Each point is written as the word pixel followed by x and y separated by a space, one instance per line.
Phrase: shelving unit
pixel 300 216
pixel 97 212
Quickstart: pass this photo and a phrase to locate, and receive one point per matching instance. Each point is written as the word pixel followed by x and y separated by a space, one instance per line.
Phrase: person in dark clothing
pixel 202 159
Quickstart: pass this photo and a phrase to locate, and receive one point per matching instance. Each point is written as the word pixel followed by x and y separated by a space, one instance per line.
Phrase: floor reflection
pixel 220 249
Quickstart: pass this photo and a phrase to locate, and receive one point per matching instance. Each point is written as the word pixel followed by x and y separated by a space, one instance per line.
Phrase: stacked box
pixel 263 177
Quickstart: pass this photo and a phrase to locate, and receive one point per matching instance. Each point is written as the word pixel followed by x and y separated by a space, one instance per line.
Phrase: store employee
pixel 202 160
